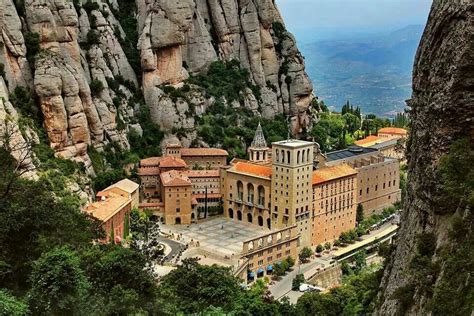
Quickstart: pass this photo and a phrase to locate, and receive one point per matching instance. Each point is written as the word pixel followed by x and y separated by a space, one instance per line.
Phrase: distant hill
pixel 372 71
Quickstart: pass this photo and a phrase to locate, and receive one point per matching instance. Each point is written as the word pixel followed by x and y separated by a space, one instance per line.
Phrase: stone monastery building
pixel 291 184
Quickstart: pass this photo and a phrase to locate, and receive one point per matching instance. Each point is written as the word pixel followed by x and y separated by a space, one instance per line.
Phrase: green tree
pixel 305 254
pixel 290 262
pixel 192 287
pixel 10 305
pixel 297 280
pixel 352 122
pixel 319 248
pixel 327 245
pixel 359 213
pixel 58 284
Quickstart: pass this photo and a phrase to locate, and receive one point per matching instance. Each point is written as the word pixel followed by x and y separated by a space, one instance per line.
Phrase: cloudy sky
pixel 357 14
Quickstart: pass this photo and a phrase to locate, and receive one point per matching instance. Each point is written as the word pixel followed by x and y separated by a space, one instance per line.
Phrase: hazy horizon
pixel 312 20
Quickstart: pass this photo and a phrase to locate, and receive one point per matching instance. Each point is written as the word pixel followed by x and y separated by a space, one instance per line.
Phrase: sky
pixel 338 16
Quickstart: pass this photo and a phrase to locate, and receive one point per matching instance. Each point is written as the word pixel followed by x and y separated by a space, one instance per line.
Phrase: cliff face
pixel 442 113
pixel 70 56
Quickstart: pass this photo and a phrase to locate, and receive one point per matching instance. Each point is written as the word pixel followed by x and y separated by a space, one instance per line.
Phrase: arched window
pixel 283 156
pixel 258 155
pixel 279 236
pixel 308 158
pixel 288 157
pixel 269 239
pixel 251 245
pixel 250 193
pixel 239 215
pixel 249 218
pixel 240 190
pixel 261 195
pixel 231 213
pixel 297 157
pixel 260 242
pixel 260 221
pixel 277 153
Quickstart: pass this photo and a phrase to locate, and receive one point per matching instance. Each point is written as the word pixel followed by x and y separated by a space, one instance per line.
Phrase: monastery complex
pixel 292 194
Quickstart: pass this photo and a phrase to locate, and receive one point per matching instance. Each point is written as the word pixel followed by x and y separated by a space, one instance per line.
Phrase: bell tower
pixel 258 150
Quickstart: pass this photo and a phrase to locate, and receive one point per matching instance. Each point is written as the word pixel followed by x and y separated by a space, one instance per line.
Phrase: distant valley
pixel 371 70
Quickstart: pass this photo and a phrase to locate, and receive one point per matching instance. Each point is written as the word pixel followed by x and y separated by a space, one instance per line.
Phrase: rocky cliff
pixel 88 73
pixel 431 269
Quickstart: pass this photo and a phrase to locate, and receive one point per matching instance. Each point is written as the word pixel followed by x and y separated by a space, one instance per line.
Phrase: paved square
pixel 219 235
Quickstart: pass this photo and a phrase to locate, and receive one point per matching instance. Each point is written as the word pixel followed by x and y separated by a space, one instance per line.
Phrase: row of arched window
pixel 251 193
pixel 284 156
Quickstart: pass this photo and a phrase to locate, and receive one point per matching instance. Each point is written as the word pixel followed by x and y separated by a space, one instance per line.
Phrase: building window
pixel 178 210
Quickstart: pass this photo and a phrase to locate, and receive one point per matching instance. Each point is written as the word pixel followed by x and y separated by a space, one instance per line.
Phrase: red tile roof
pixel 150 162
pixel 332 173
pixel 149 171
pixel 393 130
pixel 187 152
pixel 174 178
pixel 253 169
pixel 368 139
pixel 172 162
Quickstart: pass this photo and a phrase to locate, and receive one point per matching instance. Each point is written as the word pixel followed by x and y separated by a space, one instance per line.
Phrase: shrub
pixel 297 281
pixel 32 42
pixel 93 38
pixel 96 87
pixel 319 248
pixel 89 6
pixel 2 70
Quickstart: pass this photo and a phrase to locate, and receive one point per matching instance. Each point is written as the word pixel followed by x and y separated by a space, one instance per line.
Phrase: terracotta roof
pixel 111 204
pixel 202 173
pixel 393 130
pixel 331 173
pixel 172 162
pixel 253 169
pixel 368 141
pixel 149 171
pixel 194 201
pixel 125 185
pixel 149 162
pixel 174 178
pixel 209 195
pixel 203 152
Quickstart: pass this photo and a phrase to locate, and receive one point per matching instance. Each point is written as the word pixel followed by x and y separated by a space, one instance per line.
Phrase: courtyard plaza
pixel 218 240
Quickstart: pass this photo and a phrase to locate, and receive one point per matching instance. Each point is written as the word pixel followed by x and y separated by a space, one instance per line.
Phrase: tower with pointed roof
pixel 258 150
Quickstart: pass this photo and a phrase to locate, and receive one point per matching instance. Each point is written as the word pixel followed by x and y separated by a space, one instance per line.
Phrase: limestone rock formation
pixel 77 61
pixel 441 113
pixel 182 38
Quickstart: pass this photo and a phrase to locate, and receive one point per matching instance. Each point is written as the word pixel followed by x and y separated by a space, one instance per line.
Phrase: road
pixel 283 287
pixel 175 246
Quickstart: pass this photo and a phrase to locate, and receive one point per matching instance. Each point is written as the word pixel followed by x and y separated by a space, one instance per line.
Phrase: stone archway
pixel 231 213
pixel 177 220
pixel 239 215
pixel 260 221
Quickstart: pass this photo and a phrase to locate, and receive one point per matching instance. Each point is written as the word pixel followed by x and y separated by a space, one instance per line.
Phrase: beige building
pixel 247 193
pixel 378 178
pixel 132 189
pixel 392 132
pixel 291 186
pixel 199 158
pixel 176 194
pixel 263 252
pixel 334 203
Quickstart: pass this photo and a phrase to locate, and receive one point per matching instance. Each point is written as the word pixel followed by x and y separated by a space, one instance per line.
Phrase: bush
pixel 305 254
pixel 93 38
pixel 2 70
pixel 32 42
pixel 89 6
pixel 297 281
pixel 327 245
pixel 96 87
pixel 319 248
